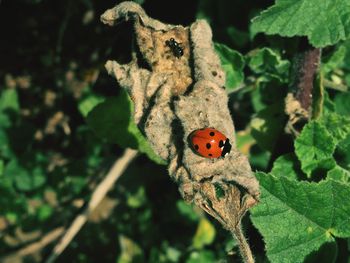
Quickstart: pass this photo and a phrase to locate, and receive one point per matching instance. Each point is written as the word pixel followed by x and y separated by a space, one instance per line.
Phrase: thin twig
pixel 243 245
pixel 34 247
pixel 100 192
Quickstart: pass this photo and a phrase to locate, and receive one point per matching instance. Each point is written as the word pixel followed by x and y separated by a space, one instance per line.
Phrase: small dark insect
pixel 175 47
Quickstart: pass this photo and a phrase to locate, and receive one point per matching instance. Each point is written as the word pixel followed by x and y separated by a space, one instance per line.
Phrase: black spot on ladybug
pixel 210 154
pixel 196 147
pixel 212 133
pixel 208 145
pixel 221 143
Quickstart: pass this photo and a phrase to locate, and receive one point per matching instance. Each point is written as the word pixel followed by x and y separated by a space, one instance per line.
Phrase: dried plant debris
pixel 177 85
pixel 296 114
pixel 298 103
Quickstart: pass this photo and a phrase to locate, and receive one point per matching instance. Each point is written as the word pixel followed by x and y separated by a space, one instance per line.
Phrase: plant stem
pixel 305 66
pixel 99 193
pixel 33 247
pixel 299 100
pixel 243 245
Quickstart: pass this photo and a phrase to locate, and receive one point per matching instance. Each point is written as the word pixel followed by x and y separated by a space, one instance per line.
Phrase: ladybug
pixel 175 47
pixel 210 143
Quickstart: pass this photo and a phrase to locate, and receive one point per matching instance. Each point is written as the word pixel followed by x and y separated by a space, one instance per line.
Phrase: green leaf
pixel 5 150
pixel 237 37
pixel 75 184
pixel 296 218
pixel 322 22
pixel 1 167
pixel 328 105
pixel 268 89
pixel 259 158
pixel 205 234
pixel 172 254
pixel 230 244
pixel 342 102
pixel 88 103
pixel 112 120
pixel 24 179
pixel 346 64
pixel 287 165
pixel 334 61
pixel 338 126
pixel 136 200
pixel 9 107
pixel 343 153
pixel 203 256
pixel 266 60
pixel 11 217
pixel 11 202
pixel 314 148
pixel 130 251
pixel 339 174
pixel 45 211
pixel 270 77
pixel 267 126
pixel 233 63
pixel 9 100
pixel 187 211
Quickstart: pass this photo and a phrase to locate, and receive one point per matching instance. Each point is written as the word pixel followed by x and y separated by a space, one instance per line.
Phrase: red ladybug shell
pixel 210 143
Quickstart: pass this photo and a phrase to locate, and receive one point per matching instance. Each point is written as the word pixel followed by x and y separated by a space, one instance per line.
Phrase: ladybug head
pixel 227 148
